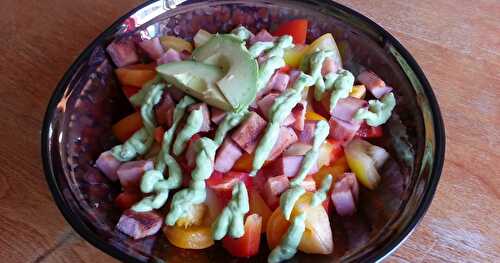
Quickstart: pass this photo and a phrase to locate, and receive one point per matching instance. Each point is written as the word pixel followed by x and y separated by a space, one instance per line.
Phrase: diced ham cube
pixel 273 188
pixel 299 113
pixel 307 134
pixel 378 92
pixel 164 111
pixel 262 36
pixel 227 155
pixel 329 66
pixel 123 53
pixel 153 47
pixel 345 195
pixel 290 165
pixel 279 82
pixel 287 165
pixel 309 184
pixel 205 127
pixel 347 108
pixel 171 55
pixel 286 138
pixel 130 173
pixel 294 75
pixel 108 165
pixel 139 225
pixel 217 115
pixel 247 134
pixel 343 131
pixel 370 79
pixel 265 105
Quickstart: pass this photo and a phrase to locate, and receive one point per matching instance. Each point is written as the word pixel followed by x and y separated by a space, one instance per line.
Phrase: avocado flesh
pixel 239 83
pixel 196 79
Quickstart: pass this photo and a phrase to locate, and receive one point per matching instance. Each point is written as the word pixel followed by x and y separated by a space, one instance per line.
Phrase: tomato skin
pixel 258 206
pixel 366 131
pixel 136 75
pixel 127 126
pixel 194 237
pixel 130 91
pixel 127 199
pixel 248 244
pixel 297 28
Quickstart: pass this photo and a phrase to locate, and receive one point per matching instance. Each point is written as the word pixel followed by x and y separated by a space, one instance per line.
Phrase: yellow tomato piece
pixel 325 42
pixel 313 116
pixel 293 56
pixel 358 91
pixel 194 237
pixel 337 169
pixel 176 43
pixel 135 75
pixel 259 206
pixel 316 239
pixel 194 216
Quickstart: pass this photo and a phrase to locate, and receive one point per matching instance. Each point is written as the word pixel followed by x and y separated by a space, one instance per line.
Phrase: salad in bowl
pixel 242 138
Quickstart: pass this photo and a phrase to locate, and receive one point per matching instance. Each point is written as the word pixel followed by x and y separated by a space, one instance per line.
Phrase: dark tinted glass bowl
pixel 88 100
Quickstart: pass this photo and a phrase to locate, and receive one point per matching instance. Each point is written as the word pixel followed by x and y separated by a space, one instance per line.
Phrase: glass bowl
pixel 87 101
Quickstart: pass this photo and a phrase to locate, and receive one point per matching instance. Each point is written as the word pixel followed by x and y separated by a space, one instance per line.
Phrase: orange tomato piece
pixel 127 126
pixel 313 116
pixel 316 239
pixel 297 28
pixel 337 169
pixel 159 131
pixel 194 237
pixel 244 164
pixel 130 91
pixel 248 244
pixel 136 75
pixel 259 206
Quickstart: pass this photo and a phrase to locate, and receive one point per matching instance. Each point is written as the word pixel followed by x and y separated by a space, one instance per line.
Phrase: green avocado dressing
pixel 281 108
pixel 141 141
pixel 153 180
pixel 343 81
pixel 290 242
pixel 183 200
pixel 274 54
pixel 231 220
pixel 378 112
pixel 193 125
pixel 288 199
pixel 320 195
pixel 242 33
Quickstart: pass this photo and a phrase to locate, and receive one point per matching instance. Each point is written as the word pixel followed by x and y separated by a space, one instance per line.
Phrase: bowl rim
pixel 377 255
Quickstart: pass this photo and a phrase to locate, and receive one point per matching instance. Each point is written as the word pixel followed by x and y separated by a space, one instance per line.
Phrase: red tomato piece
pixel 337 151
pixel 248 244
pixel 126 199
pixel 222 184
pixel 297 28
pixel 366 131
pixel 130 90
pixel 284 69
pixel 159 131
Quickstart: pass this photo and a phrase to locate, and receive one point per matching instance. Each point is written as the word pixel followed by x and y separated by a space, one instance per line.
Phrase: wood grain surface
pixel 457 43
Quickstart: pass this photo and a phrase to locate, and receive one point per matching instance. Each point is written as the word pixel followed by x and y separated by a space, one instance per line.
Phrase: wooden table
pixel 457 42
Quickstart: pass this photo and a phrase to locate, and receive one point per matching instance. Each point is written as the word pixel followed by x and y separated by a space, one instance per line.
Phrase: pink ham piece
pixel 343 131
pixel 205 127
pixel 130 173
pixel 191 151
pixel 289 166
pixel 307 134
pixel 273 188
pixel 227 156
pixel 329 66
pixel 139 225
pixel 265 105
pixel 286 138
pixel 247 134
pixel 123 53
pixel 108 165
pixel 153 47
pixel 347 108
pixel 164 111
pixel 299 113
pixel 217 115
pixel 170 56
pixel 345 195
pixel 279 82
pixel 262 36
pixel 374 84
pixel 294 75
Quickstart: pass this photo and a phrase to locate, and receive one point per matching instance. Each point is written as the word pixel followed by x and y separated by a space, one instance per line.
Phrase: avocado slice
pixel 239 83
pixel 196 79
